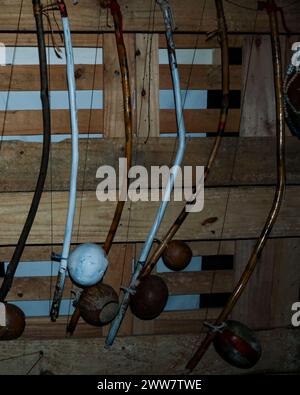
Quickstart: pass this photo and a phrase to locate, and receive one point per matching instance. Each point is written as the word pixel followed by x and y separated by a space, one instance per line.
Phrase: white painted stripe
pixel 194 266
pixel 188 135
pixel 2 314
pixel 55 138
pixel 36 269
pixel 40 308
pixel 88 99
pixel 182 302
pixel 59 100
pixel 29 56
pixel 192 99
pixel 188 56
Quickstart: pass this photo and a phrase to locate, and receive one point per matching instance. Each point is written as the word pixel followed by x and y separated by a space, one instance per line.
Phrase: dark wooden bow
pixel 13 264
pixel 280 135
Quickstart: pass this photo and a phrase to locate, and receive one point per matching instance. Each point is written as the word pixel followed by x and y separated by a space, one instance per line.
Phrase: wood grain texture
pixel 42 253
pixel 190 15
pixel 258 115
pixel 29 39
pixel 26 77
pixel 190 321
pixel 38 288
pixel 199 77
pixel 274 287
pixel 245 214
pixel 199 40
pixel 147 85
pixel 245 154
pixel 199 282
pixel 142 355
pixel 199 121
pixel 28 123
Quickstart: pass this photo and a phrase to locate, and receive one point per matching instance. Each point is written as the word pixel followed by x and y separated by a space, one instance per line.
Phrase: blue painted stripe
pixel 182 302
pixel 191 99
pixel 29 56
pixel 188 135
pixel 36 269
pixel 188 56
pixel 59 100
pixel 55 138
pixel 87 99
pixel 41 308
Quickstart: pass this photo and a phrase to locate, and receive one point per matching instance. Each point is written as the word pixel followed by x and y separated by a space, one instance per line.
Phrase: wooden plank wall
pixel 238 194
pixel 142 355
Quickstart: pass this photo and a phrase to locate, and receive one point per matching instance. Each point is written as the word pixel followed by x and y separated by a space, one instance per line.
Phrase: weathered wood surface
pixel 274 286
pixel 254 160
pixel 42 253
pixel 143 355
pixel 199 282
pixel 27 77
pixel 30 122
pixel 199 121
pixel 167 323
pixel 147 85
pixel 245 210
pixel 80 39
pixel 190 15
pixel 38 288
pixel 200 77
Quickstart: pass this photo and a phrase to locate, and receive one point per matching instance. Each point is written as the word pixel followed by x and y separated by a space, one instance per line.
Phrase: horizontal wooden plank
pixel 41 328
pixel 143 355
pixel 37 288
pixel 199 121
pixel 190 15
pixel 245 210
pixel 244 153
pixel 27 78
pixel 193 283
pixel 190 321
pixel 30 122
pixel 42 288
pixel 199 77
pixel 199 40
pixel 27 39
pixel 43 253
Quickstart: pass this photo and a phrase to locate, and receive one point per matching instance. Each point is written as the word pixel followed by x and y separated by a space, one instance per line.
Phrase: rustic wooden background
pixel 238 195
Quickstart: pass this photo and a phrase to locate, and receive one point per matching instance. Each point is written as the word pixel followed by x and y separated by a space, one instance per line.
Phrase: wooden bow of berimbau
pixel 122 55
pixel 278 197
pixel 13 318
pixel 223 38
pixel 63 258
pixel 13 264
pixel 169 25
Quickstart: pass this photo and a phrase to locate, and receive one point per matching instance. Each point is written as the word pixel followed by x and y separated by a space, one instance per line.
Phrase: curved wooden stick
pixel 14 262
pixel 281 176
pixel 222 32
pixel 60 282
pixel 169 25
pixel 122 55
